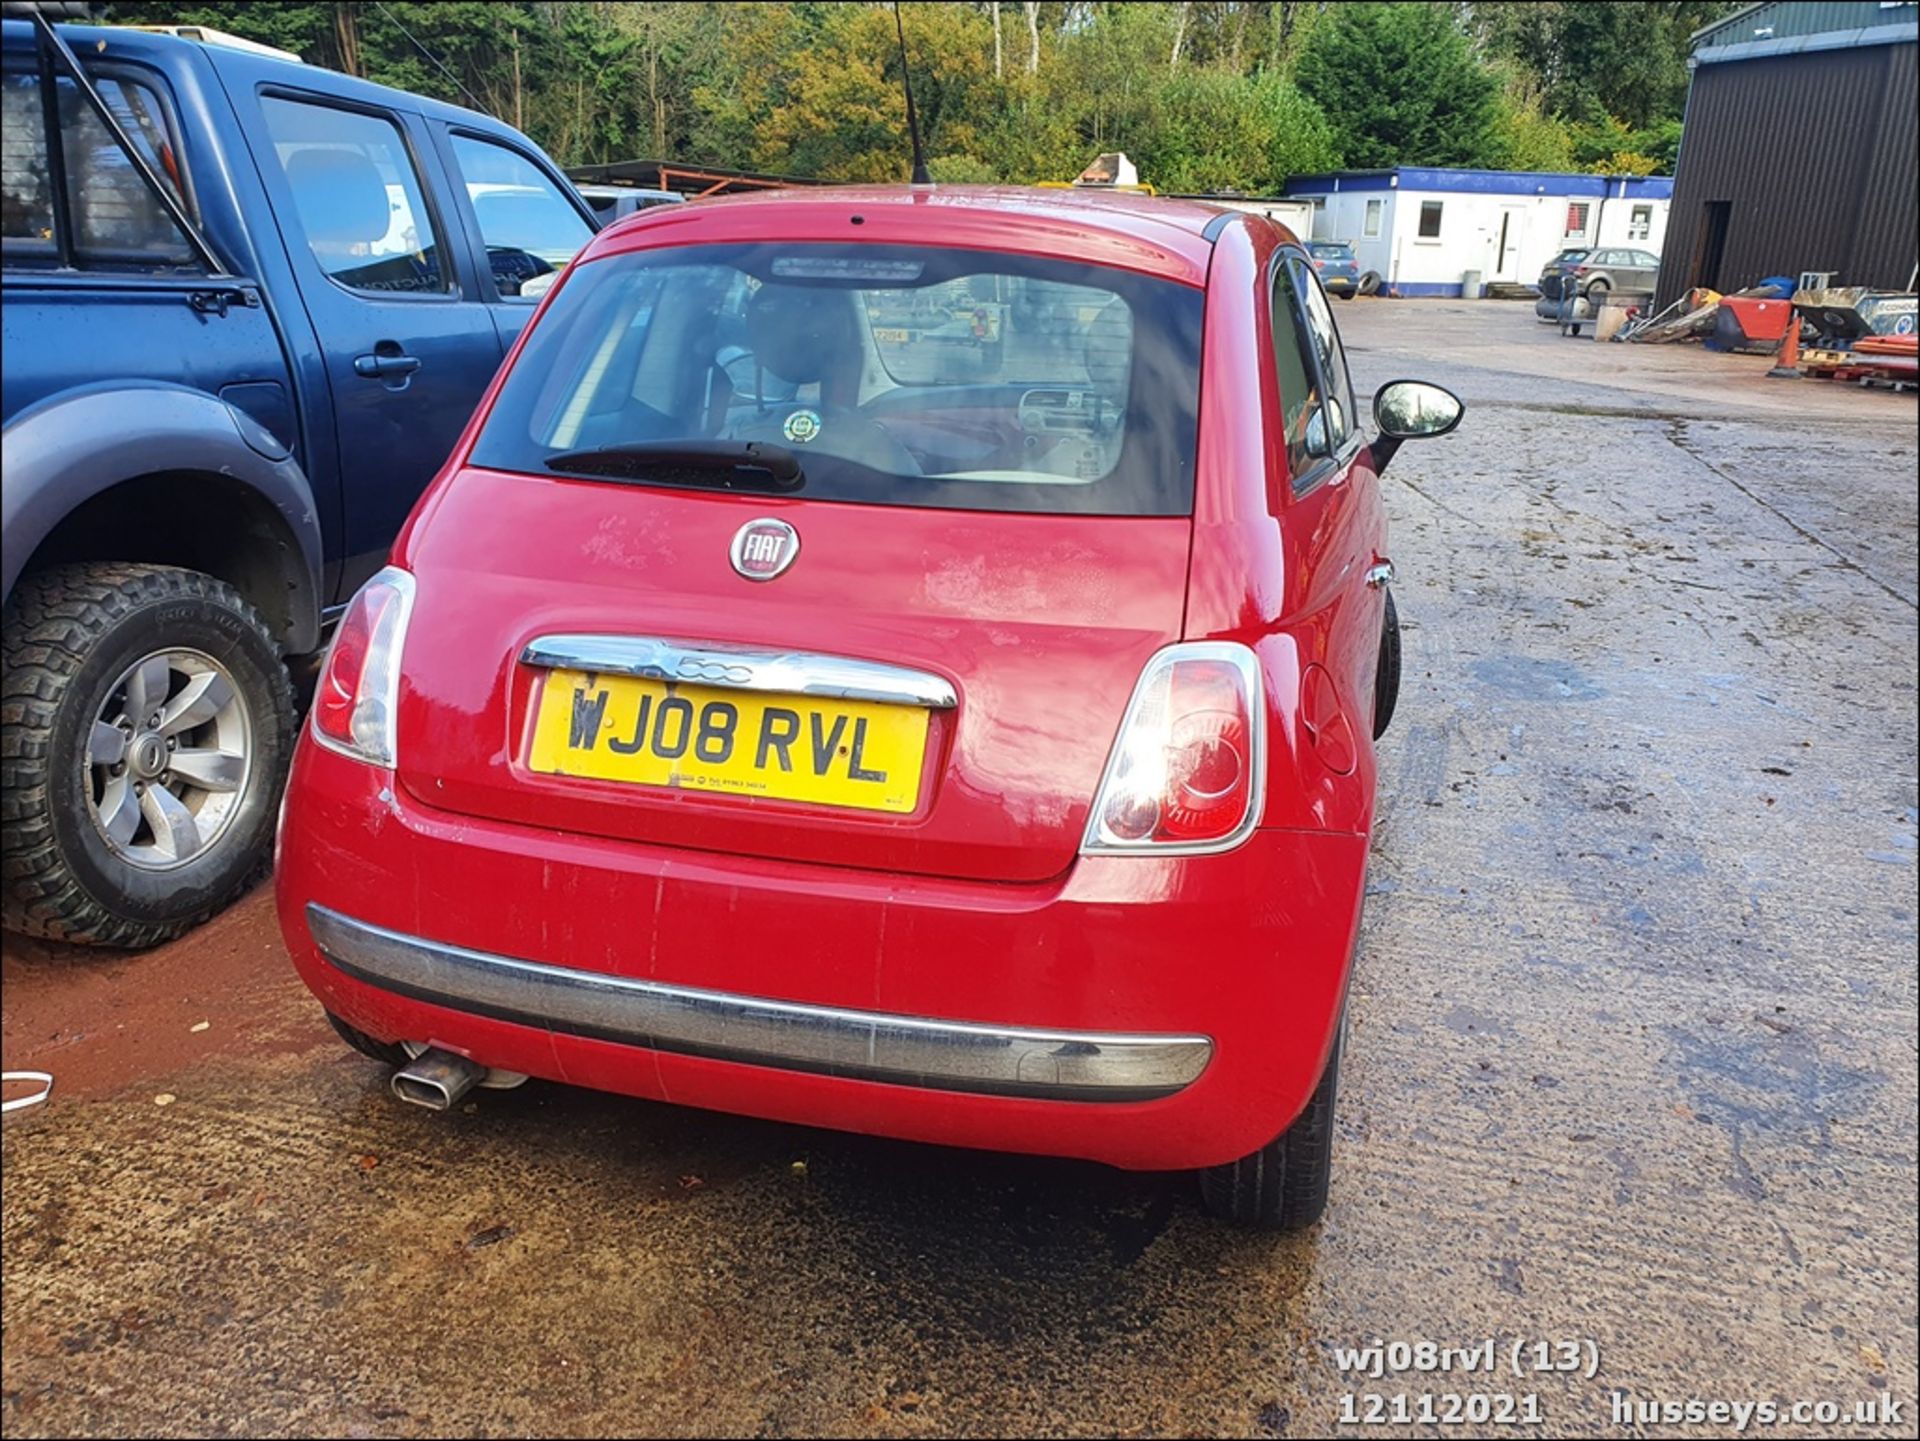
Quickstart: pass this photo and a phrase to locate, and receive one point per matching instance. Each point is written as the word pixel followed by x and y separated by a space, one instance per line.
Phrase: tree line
pixel 1204 96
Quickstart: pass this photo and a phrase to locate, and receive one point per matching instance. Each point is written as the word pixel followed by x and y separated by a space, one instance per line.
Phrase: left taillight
pixel 1185 774
pixel 355 702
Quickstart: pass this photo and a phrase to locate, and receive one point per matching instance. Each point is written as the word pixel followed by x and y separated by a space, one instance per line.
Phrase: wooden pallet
pixel 1878 380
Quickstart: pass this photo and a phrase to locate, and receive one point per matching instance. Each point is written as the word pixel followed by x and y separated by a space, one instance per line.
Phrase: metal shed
pixel 1799 149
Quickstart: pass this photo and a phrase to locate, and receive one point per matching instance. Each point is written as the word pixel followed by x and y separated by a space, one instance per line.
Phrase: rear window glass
pixel 894 375
pixel 117 221
pixel 1568 257
pixel 1331 252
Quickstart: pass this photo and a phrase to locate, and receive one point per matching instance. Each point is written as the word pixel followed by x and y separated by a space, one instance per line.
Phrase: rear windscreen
pixel 1331 252
pixel 895 375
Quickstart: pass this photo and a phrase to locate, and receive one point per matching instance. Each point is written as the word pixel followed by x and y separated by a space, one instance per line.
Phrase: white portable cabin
pixel 1422 229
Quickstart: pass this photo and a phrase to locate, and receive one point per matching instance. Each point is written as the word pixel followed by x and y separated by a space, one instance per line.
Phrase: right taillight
pixel 359 690
pixel 1186 769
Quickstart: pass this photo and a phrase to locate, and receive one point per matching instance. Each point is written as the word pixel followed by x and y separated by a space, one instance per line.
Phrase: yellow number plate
pixel 787 747
pixel 889 335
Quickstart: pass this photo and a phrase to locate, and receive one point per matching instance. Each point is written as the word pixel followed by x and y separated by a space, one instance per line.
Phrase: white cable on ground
pixel 20 1103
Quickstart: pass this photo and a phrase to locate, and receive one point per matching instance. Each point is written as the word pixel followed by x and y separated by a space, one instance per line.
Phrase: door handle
pixel 1379 575
pixel 385 363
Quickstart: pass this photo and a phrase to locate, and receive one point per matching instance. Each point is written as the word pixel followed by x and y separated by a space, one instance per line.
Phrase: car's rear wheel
pixel 149 722
pixel 1283 1185
pixel 1386 676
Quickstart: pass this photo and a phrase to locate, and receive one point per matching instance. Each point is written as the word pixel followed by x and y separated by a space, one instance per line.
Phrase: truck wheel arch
pixel 169 475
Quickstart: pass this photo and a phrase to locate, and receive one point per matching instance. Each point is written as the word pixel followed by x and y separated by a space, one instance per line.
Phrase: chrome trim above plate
pixel 786 672
pixel 788 1035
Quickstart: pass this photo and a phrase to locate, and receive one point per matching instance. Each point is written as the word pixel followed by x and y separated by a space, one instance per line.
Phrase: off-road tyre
pixel 69 632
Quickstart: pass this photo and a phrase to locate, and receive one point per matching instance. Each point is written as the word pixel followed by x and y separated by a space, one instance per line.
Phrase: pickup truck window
pixel 358 196
pixel 529 227
pixel 118 223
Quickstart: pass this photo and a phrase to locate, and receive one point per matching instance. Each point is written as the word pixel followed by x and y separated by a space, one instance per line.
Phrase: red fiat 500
pixel 899 660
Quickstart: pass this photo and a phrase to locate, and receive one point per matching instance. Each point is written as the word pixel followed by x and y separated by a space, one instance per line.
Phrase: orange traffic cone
pixel 1788 365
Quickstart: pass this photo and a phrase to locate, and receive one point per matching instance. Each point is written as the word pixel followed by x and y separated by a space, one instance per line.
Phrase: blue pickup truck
pixel 248 306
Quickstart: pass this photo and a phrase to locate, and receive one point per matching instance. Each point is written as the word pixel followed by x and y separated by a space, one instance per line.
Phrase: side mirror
pixel 1411 410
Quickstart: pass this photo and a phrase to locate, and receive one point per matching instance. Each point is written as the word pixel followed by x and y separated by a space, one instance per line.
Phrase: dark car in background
pixel 1595 272
pixel 1338 266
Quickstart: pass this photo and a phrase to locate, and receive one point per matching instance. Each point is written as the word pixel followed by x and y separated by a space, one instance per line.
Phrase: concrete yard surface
pixel 1632 1060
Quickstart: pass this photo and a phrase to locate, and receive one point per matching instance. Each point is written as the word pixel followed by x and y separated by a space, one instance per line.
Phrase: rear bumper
pixel 1340 284
pixel 827 1040
pixel 1149 1013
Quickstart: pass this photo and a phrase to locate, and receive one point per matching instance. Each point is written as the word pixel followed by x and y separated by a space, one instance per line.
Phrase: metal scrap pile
pixel 1696 315
pixel 1860 335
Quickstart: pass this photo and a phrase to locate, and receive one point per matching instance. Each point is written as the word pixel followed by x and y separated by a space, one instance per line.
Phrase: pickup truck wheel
pixel 1283 1185
pixel 1386 677
pixel 149 722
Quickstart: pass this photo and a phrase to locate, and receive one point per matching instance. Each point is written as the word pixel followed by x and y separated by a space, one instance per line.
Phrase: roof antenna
pixel 921 175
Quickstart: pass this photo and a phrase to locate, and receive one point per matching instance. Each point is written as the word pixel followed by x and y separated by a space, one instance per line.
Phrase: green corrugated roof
pixel 1785 19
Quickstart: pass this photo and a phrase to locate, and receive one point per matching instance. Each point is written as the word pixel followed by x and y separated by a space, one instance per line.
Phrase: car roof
pixel 160 49
pixel 1152 234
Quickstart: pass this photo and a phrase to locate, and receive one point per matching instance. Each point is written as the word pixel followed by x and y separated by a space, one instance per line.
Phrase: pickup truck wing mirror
pixel 1412 410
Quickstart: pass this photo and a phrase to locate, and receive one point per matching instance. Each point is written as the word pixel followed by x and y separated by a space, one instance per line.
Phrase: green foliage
pixel 1401 86
pixel 1624 59
pixel 1204 95
pixel 1207 130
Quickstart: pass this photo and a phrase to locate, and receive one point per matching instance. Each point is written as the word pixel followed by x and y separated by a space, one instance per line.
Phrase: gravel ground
pixel 1632 1059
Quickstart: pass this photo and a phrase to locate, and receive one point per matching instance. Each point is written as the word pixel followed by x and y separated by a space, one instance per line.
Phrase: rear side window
pixel 1299 384
pixel 118 222
pixel 529 227
pixel 895 375
pixel 1330 354
pixel 359 199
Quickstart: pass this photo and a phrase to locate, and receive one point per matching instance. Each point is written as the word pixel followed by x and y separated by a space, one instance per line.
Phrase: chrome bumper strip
pixel 789 1035
pixel 784 672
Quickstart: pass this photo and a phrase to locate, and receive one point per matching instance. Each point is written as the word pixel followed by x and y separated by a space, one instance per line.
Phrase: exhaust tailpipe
pixel 436 1079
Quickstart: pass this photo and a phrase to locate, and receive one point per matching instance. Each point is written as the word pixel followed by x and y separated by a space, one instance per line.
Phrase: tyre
pixel 1283 1185
pixel 1386 677
pixel 148 726
pixel 1597 294
pixel 389 1053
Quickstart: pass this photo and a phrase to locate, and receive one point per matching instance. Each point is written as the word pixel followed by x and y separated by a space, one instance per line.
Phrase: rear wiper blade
pixel 725 464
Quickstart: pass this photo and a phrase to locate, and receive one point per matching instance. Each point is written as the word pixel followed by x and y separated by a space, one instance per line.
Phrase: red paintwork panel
pixel 1041 623
pixel 977 905
pixel 1249 947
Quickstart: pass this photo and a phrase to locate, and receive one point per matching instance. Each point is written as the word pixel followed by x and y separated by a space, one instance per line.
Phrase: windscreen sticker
pixel 802 426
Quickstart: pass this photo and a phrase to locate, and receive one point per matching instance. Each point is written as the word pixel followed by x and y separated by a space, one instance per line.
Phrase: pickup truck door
pixel 399 314
pixel 525 223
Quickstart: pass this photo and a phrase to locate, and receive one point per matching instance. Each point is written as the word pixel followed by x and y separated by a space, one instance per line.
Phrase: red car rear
pixel 905 661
